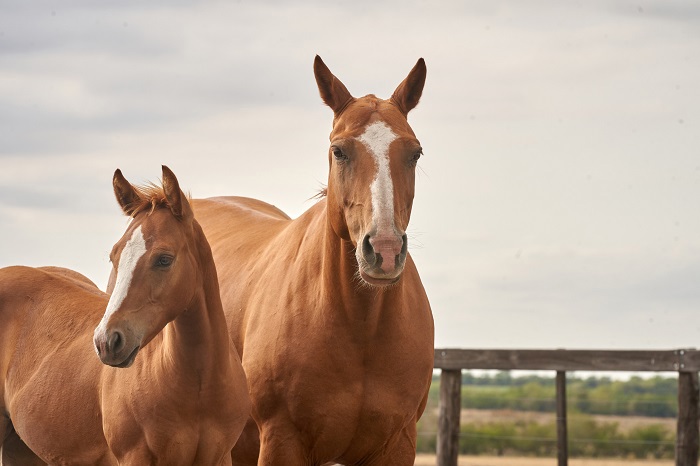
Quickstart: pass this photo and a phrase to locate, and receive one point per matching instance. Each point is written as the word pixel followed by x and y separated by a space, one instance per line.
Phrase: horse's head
pixel 372 157
pixel 155 271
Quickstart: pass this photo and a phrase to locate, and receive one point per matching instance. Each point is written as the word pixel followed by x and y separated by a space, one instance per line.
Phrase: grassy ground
pixel 429 460
pixel 626 423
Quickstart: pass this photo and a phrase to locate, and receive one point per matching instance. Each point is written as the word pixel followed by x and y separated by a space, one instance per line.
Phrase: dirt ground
pixel 429 460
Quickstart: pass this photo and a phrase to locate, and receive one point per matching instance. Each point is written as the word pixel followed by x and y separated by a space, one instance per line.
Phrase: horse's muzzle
pixel 381 258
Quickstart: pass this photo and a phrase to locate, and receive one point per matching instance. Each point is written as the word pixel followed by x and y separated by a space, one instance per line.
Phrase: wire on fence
pixel 553 440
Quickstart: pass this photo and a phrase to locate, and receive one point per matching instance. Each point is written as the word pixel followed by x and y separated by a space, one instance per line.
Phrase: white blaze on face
pixel 132 252
pixel 377 138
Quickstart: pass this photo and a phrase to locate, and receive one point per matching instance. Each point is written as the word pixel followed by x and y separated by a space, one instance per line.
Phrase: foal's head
pixel 372 157
pixel 156 268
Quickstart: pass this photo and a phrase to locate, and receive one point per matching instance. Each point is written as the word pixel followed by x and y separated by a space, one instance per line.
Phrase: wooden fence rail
pixel 451 361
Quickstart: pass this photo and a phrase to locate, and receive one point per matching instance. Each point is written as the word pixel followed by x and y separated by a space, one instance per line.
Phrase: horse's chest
pixel 342 379
pixel 339 390
pixel 355 414
pixel 170 441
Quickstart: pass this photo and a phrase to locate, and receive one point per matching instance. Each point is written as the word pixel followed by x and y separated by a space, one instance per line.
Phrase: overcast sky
pixel 558 201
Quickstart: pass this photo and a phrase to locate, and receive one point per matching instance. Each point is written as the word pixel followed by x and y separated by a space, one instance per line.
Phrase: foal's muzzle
pixel 116 348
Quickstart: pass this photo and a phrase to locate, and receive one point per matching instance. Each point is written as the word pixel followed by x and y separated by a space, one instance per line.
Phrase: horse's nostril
pixel 404 245
pixel 368 251
pixel 367 246
pixel 115 342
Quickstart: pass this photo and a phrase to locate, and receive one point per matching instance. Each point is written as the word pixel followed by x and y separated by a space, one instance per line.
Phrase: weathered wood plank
pixel 687 430
pixel 689 360
pixel 569 360
pixel 448 417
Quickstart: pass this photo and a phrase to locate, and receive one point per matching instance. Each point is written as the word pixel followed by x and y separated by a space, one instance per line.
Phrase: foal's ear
pixel 127 197
pixel 177 201
pixel 408 93
pixel 333 92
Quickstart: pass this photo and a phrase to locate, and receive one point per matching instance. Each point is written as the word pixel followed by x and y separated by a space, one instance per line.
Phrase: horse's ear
pixel 408 93
pixel 177 201
pixel 333 92
pixel 127 196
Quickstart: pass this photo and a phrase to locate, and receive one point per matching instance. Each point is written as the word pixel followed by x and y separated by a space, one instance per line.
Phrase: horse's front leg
pixel 247 448
pixel 15 452
pixel 281 446
pixel 400 450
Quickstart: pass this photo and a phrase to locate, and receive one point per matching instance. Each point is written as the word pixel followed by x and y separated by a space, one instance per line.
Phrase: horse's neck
pixel 197 343
pixel 343 284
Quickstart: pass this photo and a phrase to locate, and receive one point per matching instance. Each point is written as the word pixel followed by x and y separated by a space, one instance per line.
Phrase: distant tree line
pixel 653 397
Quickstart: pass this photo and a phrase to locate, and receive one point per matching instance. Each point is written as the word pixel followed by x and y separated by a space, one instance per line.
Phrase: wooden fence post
pixel 562 435
pixel 448 417
pixel 687 429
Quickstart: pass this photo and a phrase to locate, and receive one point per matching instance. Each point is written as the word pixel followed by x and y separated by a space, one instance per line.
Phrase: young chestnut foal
pixel 183 400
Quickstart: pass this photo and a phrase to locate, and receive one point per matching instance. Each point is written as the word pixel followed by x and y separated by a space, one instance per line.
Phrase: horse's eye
pixel 338 154
pixel 164 260
pixel 416 156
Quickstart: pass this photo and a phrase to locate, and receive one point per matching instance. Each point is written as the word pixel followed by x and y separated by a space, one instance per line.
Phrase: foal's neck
pixel 198 339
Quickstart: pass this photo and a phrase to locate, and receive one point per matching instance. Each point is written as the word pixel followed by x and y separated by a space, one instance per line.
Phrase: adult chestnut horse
pixel 183 400
pixel 328 311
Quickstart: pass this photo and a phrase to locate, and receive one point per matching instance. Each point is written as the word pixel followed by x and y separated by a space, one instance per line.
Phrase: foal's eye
pixel 338 154
pixel 164 261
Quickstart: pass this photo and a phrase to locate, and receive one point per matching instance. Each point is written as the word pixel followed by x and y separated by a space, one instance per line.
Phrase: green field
pixel 509 416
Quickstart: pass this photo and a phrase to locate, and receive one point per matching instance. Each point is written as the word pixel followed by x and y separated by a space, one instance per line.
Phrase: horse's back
pixel 76 277
pixel 50 293
pixel 239 231
pixel 238 227
pixel 46 322
pixel 237 207
pixel 43 312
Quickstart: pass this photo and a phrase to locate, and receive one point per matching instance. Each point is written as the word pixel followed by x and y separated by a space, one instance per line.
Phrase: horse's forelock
pixel 151 198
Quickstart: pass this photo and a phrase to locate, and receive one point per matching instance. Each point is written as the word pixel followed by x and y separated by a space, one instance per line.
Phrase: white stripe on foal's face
pixel 132 252
pixel 377 138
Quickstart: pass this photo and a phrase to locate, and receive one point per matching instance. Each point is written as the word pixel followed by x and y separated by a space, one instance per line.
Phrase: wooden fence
pixel 451 361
